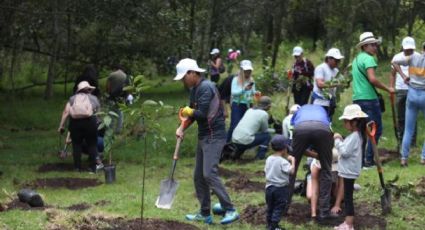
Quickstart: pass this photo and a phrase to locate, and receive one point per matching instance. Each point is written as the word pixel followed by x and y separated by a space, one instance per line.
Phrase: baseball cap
pixel 294 108
pixel 185 65
pixel 408 43
pixel 279 142
pixel 334 53
pixel 297 51
pixel 214 51
pixel 246 65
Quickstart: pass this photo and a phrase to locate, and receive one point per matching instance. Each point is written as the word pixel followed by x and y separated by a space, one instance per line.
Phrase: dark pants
pixel 301 96
pixel 84 130
pixel 261 139
pixel 373 110
pixel 401 114
pixel 348 196
pixel 329 109
pixel 215 78
pixel 238 110
pixel 319 137
pixel 277 200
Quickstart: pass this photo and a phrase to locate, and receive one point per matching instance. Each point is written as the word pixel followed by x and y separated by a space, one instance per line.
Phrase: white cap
pixel 367 38
pixel 294 108
pixel 408 43
pixel 352 111
pixel 84 85
pixel 238 51
pixel 215 51
pixel 246 65
pixel 185 65
pixel 230 50
pixel 297 51
pixel 334 53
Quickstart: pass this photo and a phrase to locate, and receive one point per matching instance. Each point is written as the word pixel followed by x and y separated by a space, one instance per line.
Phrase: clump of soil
pixel 55 167
pixel 227 173
pixel 103 223
pixel 64 182
pixel 243 184
pixel 16 204
pixel 79 207
pixel 254 214
pixel 420 187
pixel 387 155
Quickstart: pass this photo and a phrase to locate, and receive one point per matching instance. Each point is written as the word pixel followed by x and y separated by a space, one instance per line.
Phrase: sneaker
pixel 403 163
pixel 229 217
pixel 217 209
pixel 368 167
pixel 99 166
pixel 343 226
pixel 357 187
pixel 199 217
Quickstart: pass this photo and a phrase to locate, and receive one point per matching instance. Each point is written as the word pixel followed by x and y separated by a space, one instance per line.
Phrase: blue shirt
pixel 310 113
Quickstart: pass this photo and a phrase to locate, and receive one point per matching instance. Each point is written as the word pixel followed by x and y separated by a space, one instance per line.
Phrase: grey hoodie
pixel 350 158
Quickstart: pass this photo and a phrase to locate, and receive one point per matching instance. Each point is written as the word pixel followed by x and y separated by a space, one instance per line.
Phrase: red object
pixel 289 73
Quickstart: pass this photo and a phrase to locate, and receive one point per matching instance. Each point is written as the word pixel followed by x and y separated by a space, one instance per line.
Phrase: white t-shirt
pixel 324 72
pixel 399 83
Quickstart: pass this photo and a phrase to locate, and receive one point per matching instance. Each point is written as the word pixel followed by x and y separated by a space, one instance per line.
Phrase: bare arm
pixel 398 69
pixel 65 115
pixel 392 77
pixel 292 160
pixel 374 81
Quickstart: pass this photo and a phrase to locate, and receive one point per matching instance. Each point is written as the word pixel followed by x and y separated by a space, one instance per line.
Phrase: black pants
pixel 348 196
pixel 84 130
pixel 215 78
pixel 319 137
pixel 277 200
pixel 401 96
pixel 301 96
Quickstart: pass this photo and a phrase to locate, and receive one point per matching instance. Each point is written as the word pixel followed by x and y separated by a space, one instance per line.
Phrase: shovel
pixel 62 153
pixel 386 193
pixel 396 131
pixel 169 186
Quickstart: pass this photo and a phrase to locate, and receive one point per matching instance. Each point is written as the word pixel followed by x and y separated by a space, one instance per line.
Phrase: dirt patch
pixel 243 184
pixel 56 167
pixel 299 213
pixel 420 187
pixel 78 207
pixel 103 223
pixel 227 173
pixel 64 182
pixel 244 161
pixel 16 204
pixel 102 203
pixel 387 155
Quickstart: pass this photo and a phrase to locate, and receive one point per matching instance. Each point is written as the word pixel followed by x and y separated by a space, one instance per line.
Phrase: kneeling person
pixel 251 131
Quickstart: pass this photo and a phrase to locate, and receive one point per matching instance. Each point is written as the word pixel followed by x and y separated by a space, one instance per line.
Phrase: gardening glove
pixel 187 112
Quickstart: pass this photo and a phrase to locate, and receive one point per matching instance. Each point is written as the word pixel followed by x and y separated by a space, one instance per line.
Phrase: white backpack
pixel 82 107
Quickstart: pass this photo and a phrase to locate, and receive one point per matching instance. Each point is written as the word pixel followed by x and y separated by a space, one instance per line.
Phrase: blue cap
pixel 279 142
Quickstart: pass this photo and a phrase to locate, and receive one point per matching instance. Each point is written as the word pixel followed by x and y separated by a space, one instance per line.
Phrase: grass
pixel 28 139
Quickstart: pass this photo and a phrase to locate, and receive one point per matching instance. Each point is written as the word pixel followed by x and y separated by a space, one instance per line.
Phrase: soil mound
pixel 16 204
pixel 78 207
pixel 420 187
pixel 63 182
pixel 243 184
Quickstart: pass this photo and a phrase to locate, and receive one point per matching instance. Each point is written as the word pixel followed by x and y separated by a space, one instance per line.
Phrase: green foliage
pixel 271 81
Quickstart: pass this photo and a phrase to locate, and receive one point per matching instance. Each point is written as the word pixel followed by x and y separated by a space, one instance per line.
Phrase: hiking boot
pixel 99 166
pixel 200 218
pixel 218 210
pixel 230 216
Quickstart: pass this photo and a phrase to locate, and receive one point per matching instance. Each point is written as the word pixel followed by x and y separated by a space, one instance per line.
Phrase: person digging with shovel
pixel 206 109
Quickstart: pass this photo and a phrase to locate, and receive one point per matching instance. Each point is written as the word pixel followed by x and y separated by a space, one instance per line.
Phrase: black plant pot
pixel 31 197
pixel 109 173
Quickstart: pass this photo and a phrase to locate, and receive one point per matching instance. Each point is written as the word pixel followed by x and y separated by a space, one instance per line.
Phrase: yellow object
pixel 187 111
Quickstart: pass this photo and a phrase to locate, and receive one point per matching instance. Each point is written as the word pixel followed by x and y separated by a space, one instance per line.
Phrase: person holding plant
pixel 350 157
pixel 242 93
pixel 206 109
pixel 216 65
pixel 302 74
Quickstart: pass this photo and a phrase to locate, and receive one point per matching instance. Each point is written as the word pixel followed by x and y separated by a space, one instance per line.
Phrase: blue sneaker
pixel 230 216
pixel 218 210
pixel 198 217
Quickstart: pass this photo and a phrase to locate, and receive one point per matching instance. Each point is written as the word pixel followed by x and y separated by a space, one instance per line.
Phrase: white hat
pixel 215 51
pixel 352 111
pixel 408 43
pixel 294 108
pixel 246 65
pixel 84 85
pixel 230 50
pixel 238 51
pixel 297 51
pixel 334 53
pixel 185 65
pixel 367 38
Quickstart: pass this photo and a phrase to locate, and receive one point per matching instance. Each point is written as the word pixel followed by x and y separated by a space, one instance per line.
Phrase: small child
pixel 278 168
pixel 350 158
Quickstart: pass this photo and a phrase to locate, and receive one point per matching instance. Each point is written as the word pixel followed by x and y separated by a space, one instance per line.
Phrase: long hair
pixel 361 125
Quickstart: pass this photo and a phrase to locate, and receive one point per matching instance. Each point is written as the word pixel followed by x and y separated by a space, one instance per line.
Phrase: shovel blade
pixel 386 202
pixel 167 191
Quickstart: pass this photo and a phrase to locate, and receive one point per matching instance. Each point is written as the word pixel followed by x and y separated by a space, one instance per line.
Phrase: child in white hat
pixel 351 150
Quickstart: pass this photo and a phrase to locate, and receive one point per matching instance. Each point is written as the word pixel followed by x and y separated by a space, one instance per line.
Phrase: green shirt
pixel 362 88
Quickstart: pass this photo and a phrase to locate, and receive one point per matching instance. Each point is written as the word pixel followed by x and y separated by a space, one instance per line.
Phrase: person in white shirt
pixel 286 123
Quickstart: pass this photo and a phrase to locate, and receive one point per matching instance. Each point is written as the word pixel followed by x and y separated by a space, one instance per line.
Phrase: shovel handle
pixel 176 150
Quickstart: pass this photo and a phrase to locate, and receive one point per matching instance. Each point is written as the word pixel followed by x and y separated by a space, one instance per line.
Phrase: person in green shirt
pixel 365 83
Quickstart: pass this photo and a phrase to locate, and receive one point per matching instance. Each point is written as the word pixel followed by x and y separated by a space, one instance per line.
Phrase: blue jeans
pixel 414 104
pixel 277 200
pixel 373 110
pixel 261 139
pixel 238 110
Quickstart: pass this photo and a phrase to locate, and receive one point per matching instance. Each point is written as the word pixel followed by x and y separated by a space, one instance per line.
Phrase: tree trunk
pixel 48 93
pixel 192 23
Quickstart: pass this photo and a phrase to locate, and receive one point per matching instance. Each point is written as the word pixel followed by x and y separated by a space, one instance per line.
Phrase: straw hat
pixel 84 85
pixel 367 38
pixel 351 112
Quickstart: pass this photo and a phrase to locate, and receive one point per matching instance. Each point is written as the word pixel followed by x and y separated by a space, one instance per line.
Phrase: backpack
pixel 82 107
pixel 221 68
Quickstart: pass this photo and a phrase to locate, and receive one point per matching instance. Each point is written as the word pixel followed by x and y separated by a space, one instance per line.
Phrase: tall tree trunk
pixel 48 93
pixel 192 23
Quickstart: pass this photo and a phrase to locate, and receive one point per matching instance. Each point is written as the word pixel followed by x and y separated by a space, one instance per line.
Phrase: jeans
pixel 277 200
pixel 401 96
pixel 373 110
pixel 261 139
pixel 414 105
pixel 301 96
pixel 238 110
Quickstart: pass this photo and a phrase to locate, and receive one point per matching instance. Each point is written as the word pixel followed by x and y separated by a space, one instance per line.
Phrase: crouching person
pixel 206 109
pixel 252 131
pixel 278 168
